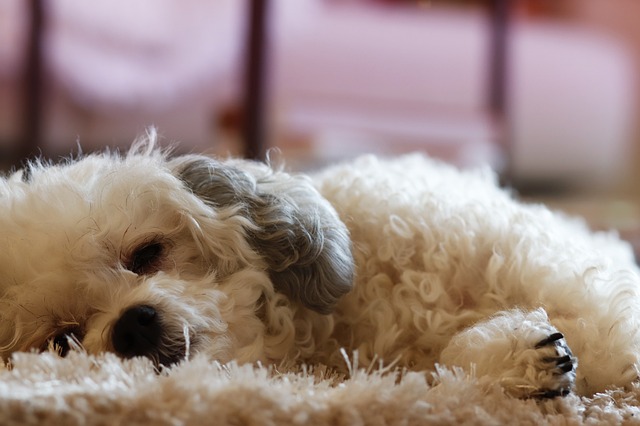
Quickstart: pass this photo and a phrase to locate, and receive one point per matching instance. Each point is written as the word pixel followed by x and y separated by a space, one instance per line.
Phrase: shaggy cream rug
pixel 87 390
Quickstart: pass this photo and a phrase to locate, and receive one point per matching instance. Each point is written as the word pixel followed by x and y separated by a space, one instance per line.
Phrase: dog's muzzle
pixel 139 332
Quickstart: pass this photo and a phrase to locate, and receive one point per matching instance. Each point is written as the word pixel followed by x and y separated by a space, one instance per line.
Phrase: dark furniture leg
pixel 33 85
pixel 498 74
pixel 256 67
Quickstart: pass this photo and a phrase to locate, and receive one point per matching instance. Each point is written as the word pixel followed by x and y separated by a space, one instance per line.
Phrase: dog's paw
pixel 558 363
pixel 519 350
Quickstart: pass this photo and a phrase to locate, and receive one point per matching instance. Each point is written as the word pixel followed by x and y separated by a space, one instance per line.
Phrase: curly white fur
pixel 406 260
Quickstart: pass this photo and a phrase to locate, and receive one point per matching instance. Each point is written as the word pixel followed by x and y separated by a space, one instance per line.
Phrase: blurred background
pixel 545 91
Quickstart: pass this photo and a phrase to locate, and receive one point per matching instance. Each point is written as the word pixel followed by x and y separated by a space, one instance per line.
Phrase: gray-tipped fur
pixel 304 243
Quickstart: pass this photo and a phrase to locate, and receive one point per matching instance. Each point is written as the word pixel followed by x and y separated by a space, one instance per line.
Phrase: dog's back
pixel 437 250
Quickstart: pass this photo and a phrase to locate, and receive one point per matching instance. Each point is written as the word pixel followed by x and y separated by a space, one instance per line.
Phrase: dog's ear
pixel 300 236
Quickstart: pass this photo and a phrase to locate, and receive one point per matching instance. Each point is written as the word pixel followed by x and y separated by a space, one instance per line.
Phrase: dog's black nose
pixel 138 332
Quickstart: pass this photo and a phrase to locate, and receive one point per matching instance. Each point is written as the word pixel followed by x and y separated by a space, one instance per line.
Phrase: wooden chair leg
pixel 256 69
pixel 33 85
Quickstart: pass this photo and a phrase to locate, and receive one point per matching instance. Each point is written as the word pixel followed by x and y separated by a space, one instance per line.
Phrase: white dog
pixel 407 261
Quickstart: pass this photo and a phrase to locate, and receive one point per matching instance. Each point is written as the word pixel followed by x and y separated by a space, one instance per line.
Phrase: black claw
pixel 563 363
pixel 566 367
pixel 557 359
pixel 549 394
pixel 549 340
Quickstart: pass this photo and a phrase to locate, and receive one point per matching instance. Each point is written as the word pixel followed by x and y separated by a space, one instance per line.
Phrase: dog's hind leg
pixel 519 350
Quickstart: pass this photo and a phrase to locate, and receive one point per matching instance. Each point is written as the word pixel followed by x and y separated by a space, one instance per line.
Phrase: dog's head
pixel 142 254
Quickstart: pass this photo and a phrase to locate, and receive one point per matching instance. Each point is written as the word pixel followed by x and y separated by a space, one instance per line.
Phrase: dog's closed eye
pixel 146 258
